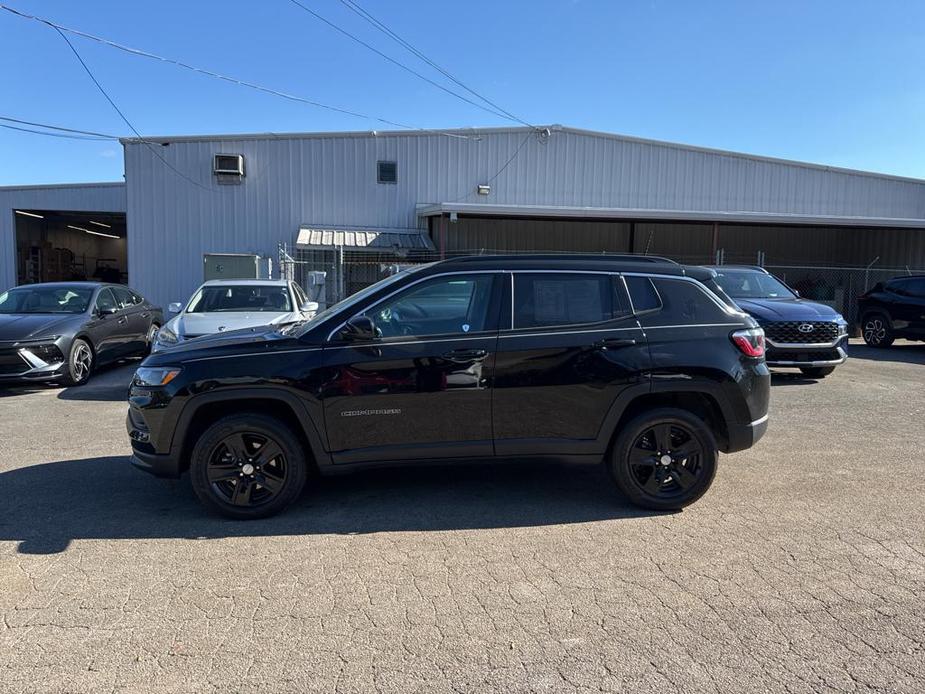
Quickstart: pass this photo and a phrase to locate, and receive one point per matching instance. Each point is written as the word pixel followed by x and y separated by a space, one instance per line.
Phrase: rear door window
pixel 643 294
pixel 124 298
pixel 559 299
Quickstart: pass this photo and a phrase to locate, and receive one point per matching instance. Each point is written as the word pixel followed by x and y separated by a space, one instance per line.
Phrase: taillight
pixel 750 342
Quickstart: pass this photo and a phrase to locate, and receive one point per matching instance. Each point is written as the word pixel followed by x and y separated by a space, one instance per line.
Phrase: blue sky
pixel 834 82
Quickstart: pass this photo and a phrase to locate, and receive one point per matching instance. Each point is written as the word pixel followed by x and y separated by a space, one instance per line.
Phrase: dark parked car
pixel 497 357
pixel 893 309
pixel 802 334
pixel 61 331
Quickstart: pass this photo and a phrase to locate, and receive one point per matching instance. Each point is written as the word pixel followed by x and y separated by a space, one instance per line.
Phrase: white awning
pixel 632 214
pixel 371 240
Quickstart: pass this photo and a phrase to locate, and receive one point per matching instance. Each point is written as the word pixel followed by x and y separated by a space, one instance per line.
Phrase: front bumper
pixel 151 423
pixel 808 355
pixel 37 361
pixel 144 456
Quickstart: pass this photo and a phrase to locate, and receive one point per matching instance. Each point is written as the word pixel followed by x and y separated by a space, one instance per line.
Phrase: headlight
pixel 166 336
pixel 155 375
pixel 842 327
pixel 48 353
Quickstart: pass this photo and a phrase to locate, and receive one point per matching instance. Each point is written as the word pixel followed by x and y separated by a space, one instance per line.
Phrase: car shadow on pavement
pixel 109 383
pixel 903 351
pixel 47 506
pixel 12 390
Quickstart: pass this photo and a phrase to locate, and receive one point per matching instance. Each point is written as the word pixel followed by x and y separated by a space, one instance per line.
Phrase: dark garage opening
pixel 57 245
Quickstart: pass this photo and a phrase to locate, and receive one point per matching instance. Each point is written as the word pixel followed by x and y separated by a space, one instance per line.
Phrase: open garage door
pixel 57 245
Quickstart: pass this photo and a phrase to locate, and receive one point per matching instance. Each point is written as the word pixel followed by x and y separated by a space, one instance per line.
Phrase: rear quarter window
pixel 687 302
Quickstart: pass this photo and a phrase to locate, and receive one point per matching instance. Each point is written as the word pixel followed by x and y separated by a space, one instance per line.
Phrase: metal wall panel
pixel 824 245
pixel 474 235
pixel 330 181
pixel 91 197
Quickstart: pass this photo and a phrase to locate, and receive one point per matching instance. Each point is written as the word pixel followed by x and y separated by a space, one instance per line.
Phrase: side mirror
pixel 175 307
pixel 359 329
pixel 108 311
pixel 310 307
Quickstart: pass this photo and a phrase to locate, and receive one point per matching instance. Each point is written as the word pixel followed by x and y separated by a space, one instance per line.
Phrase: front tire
pixel 664 459
pixel 817 371
pixel 80 363
pixel 877 330
pixel 248 466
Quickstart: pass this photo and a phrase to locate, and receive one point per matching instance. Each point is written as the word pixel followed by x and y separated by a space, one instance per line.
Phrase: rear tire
pixel 248 466
pixel 151 337
pixel 877 330
pixel 664 459
pixel 817 371
pixel 80 363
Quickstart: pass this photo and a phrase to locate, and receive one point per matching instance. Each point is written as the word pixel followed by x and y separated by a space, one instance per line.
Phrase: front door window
pixel 453 305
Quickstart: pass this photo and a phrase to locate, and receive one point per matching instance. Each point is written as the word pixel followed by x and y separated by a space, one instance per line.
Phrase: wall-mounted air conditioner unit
pixel 228 165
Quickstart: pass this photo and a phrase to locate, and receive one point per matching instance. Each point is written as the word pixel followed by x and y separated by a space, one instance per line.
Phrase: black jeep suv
pixel 893 309
pixel 494 357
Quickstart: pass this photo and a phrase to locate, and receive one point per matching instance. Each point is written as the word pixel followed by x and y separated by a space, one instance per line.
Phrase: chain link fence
pixel 347 271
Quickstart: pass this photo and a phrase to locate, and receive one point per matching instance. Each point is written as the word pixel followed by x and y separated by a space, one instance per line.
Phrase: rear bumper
pixel 742 436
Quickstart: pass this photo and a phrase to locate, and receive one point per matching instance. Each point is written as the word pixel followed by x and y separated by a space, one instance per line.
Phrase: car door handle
pixel 609 342
pixel 466 355
pixel 122 320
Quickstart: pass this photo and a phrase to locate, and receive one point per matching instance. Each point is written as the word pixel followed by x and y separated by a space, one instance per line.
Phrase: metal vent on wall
pixel 228 165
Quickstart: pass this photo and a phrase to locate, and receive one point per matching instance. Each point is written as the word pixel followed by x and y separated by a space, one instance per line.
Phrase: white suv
pixel 225 305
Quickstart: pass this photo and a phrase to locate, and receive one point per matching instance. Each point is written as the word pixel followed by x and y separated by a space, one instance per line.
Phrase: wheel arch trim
pixel 196 403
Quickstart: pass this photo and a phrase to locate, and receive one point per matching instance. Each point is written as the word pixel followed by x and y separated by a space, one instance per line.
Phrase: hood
pixel 787 310
pixel 192 324
pixel 30 326
pixel 246 338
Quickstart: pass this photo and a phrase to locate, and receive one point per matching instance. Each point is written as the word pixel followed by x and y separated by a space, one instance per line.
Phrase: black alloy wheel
pixel 247 466
pixel 247 469
pixel 664 459
pixel 877 331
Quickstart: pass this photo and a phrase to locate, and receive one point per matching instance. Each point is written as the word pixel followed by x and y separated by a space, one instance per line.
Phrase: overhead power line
pixel 127 121
pixel 48 134
pixel 91 134
pixel 381 26
pixel 209 73
pixel 398 63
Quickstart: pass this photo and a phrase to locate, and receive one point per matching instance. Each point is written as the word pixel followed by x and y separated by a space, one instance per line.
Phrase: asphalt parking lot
pixel 803 569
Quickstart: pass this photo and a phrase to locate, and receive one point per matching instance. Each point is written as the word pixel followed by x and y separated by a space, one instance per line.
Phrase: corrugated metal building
pixel 551 188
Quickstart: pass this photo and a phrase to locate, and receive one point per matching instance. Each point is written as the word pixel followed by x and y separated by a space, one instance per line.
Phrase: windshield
pixel 748 284
pixel 241 297
pixel 355 298
pixel 57 299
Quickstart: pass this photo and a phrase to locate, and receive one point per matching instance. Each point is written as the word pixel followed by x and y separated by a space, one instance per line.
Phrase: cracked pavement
pixel 802 570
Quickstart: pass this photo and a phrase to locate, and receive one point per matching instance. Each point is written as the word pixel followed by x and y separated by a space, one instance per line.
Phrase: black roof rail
pixel 602 257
